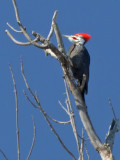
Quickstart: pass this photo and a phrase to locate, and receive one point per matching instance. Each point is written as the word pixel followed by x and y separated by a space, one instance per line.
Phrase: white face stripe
pixel 79 39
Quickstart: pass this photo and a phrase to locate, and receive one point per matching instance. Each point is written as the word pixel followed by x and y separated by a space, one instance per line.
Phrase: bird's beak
pixel 66 36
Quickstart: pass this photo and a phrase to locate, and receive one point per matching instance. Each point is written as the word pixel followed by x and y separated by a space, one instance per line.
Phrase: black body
pixel 81 61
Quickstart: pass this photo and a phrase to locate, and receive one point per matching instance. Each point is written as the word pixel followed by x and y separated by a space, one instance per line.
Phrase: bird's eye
pixel 74 38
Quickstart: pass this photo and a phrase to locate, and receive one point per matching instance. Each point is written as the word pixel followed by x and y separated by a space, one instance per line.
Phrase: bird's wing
pixel 71 49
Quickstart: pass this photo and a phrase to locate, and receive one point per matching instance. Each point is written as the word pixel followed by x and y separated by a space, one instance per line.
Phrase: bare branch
pixel 33 141
pixel 56 121
pixel 25 80
pixel 85 139
pixel 64 108
pixel 87 151
pixel 58 36
pixel 68 108
pixel 18 42
pixel 23 30
pixel 114 127
pixel 30 100
pixel 72 118
pixel 16 11
pixel 18 21
pixel 3 154
pixel 26 34
pixel 43 112
pixel 52 29
pixel 48 51
pixel 46 46
pixel 68 98
pixel 13 28
pixel 17 122
pixel 110 102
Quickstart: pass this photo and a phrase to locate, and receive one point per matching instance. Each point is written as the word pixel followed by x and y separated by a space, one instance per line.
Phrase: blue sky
pixel 100 19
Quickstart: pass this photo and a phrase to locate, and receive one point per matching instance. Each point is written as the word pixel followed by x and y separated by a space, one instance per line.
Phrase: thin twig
pixel 30 100
pixel 72 118
pixel 68 97
pixel 68 108
pixel 110 102
pixel 33 141
pixel 15 30
pixel 56 121
pixel 60 43
pixel 48 51
pixel 18 42
pixel 17 121
pixel 52 29
pixel 85 139
pixel 87 151
pixel 16 10
pixel 3 154
pixel 64 108
pixel 25 80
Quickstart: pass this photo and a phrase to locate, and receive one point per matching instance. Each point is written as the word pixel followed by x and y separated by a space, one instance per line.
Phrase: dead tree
pixel 105 150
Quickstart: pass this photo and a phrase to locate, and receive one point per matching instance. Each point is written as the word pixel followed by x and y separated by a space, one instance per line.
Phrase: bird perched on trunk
pixel 80 58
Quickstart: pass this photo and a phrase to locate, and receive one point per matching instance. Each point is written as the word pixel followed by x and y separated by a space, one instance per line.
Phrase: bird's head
pixel 79 38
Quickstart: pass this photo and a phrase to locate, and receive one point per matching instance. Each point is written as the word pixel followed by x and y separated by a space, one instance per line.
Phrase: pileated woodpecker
pixel 80 58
